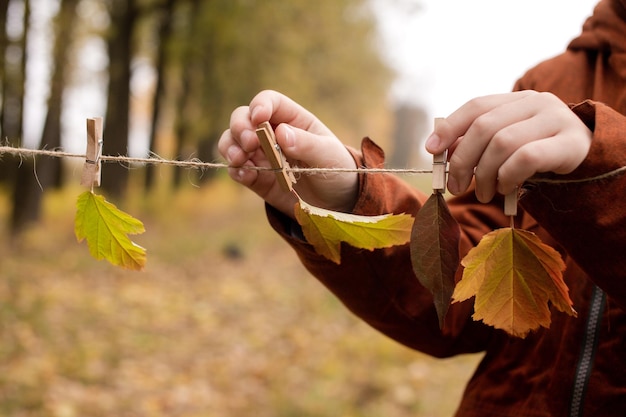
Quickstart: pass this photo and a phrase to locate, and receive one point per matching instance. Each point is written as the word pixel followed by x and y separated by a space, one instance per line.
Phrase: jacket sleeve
pixel 585 211
pixel 379 286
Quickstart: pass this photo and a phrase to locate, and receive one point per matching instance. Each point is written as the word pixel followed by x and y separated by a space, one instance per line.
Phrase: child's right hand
pixel 304 140
pixel 502 140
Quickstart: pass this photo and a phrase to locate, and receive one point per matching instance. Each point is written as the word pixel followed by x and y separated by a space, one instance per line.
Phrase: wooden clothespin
pixel 272 151
pixel 440 163
pixel 91 169
pixel 510 203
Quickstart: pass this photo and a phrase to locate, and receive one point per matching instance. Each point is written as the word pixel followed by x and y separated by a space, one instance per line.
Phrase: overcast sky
pixel 450 51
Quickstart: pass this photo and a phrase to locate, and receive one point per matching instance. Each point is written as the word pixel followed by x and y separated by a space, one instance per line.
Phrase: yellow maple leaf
pixel 514 277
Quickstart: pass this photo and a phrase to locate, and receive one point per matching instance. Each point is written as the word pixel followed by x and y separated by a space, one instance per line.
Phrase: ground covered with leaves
pixel 224 321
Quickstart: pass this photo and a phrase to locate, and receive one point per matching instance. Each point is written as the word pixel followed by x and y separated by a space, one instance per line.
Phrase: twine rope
pixel 200 165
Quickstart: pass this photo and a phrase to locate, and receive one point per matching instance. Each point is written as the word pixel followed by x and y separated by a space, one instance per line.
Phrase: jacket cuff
pixel 605 123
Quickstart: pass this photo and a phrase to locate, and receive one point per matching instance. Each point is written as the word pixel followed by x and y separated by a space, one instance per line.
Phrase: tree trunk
pixel 116 124
pixel 13 80
pixel 4 43
pixel 182 123
pixel 13 84
pixel 22 213
pixel 5 171
pixel 35 176
pixel 165 33
pixel 49 169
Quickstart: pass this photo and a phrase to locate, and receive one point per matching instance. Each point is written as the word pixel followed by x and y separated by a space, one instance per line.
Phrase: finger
pixel 259 181
pixel 505 143
pixel 240 120
pixel 243 131
pixel 231 150
pixel 277 108
pixel 264 183
pixel 454 126
pixel 313 150
pixel 560 154
pixel 335 191
pixel 246 177
pixel 471 154
pixel 526 162
pixel 224 143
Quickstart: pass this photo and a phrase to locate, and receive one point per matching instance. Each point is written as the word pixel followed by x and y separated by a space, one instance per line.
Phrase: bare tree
pixel 185 98
pixel 29 189
pixel 5 169
pixel 49 169
pixel 4 8
pixel 14 78
pixel 123 14
pixel 12 116
pixel 164 35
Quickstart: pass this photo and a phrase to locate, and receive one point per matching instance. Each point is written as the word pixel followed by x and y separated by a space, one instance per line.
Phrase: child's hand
pixel 304 140
pixel 504 139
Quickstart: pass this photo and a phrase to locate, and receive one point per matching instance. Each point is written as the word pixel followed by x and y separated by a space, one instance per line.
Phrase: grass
pixel 224 321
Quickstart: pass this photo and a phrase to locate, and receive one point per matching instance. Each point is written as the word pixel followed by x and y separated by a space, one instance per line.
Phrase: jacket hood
pixel 605 32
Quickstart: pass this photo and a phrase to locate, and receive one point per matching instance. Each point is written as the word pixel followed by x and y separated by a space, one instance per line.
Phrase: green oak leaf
pixel 105 227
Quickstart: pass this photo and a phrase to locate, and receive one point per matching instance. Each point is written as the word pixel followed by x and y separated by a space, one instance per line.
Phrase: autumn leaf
pixel 435 251
pixel 514 277
pixel 326 229
pixel 105 228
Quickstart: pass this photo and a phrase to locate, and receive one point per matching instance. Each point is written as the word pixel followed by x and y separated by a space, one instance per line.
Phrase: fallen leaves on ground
pixel 197 333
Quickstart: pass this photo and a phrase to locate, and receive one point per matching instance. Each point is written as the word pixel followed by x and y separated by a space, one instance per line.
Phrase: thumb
pixel 442 137
pixel 324 151
pixel 331 191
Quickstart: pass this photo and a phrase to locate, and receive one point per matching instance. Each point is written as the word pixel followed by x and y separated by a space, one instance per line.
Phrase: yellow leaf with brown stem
pixel 515 278
pixel 326 229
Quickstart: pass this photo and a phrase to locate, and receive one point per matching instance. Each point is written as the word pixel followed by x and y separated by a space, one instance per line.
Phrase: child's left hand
pixel 504 139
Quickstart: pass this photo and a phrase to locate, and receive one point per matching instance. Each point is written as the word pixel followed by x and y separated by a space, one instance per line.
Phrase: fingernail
pixel 231 153
pixel 290 136
pixel 433 142
pixel 253 113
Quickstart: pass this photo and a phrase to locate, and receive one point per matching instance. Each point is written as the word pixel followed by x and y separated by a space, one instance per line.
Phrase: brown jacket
pixel 577 367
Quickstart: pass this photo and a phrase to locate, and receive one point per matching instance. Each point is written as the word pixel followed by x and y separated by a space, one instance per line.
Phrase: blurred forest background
pixel 224 321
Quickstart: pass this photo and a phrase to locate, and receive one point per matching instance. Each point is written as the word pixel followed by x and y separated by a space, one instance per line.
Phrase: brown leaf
pixel 435 251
